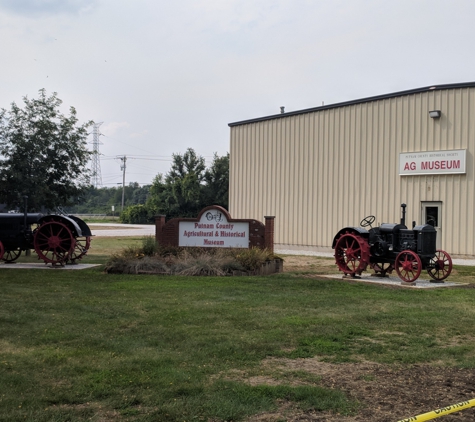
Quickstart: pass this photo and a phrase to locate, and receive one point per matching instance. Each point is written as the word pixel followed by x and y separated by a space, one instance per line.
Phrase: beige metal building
pixel 321 169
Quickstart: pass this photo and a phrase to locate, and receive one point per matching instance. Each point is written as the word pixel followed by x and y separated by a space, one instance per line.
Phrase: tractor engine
pixel 426 237
pixel 385 239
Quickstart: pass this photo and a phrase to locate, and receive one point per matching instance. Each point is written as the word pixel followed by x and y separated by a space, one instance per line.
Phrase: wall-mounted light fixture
pixel 435 114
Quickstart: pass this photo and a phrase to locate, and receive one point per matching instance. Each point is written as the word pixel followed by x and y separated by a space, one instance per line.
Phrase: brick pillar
pixel 269 233
pixel 159 223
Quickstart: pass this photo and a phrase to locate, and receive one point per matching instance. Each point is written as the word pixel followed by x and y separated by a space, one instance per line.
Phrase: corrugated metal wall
pixel 320 171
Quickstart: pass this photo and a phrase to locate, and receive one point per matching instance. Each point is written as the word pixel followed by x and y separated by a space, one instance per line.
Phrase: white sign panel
pixel 432 162
pixel 214 231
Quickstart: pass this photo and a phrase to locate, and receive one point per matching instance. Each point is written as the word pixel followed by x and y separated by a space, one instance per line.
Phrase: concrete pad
pixel 456 261
pixel 420 283
pixel 43 266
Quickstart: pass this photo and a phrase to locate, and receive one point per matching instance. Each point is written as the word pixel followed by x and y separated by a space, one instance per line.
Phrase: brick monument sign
pixel 214 228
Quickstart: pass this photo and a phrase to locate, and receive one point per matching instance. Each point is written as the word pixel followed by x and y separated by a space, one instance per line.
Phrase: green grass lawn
pixel 84 345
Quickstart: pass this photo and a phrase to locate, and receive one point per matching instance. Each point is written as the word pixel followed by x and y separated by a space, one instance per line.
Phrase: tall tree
pixel 184 183
pixel 216 178
pixel 43 154
pixel 189 186
pixel 180 192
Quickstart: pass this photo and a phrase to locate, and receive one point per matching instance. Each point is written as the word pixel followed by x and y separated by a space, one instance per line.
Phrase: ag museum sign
pixel 432 162
pixel 213 229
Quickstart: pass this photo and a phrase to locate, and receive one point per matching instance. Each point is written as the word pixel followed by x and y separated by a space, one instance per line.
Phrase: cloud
pixel 110 129
pixel 167 75
pixel 35 8
pixel 140 134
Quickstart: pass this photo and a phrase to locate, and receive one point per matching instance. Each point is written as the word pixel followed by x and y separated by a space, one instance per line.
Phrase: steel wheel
pixel 53 242
pixel 11 255
pixel 352 254
pixel 81 247
pixel 440 266
pixel 408 266
pixel 382 268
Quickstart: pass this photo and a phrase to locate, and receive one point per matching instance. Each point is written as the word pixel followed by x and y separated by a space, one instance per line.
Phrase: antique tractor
pixel 57 239
pixel 389 247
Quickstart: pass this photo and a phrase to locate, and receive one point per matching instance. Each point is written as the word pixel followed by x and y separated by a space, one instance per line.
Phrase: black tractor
pixel 391 246
pixel 58 239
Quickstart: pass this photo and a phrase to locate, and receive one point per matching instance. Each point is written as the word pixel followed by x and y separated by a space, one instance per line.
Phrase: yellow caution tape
pixel 441 412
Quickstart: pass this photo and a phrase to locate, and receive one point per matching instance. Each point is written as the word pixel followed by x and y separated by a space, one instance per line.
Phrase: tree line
pixel 187 188
pixel 44 155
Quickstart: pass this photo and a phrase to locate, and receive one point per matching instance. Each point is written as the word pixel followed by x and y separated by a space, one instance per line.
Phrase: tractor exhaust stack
pixel 403 219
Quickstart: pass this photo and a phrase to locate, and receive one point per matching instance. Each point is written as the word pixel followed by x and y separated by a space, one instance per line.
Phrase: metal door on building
pixel 432 214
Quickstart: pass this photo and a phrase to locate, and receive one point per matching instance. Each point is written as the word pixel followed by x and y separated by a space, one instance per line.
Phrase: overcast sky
pixel 164 76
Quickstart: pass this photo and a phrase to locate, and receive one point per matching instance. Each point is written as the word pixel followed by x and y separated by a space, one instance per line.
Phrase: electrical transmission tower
pixel 96 163
pixel 123 166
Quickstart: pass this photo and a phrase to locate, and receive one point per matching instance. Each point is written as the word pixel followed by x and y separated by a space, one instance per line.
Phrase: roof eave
pixel 359 101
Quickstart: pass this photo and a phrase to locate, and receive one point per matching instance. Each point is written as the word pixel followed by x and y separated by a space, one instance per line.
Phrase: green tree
pixel 157 197
pixel 181 193
pixel 140 194
pixel 189 186
pixel 136 214
pixel 216 178
pixel 43 154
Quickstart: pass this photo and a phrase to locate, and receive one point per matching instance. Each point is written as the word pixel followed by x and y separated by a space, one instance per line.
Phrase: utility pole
pixel 123 167
pixel 96 163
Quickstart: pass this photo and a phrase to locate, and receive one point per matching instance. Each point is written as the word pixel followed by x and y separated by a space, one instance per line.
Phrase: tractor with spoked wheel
pixel 390 247
pixel 58 239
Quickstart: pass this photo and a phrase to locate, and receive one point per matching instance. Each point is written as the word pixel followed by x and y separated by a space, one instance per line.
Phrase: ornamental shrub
pixel 150 258
pixel 136 214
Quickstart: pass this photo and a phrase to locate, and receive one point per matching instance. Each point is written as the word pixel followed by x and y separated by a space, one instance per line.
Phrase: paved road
pixel 117 230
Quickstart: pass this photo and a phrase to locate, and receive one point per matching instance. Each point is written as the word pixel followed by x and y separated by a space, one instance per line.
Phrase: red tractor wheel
pixel 54 242
pixel 352 254
pixel 11 255
pixel 408 266
pixel 440 266
pixel 2 250
pixel 382 268
pixel 80 249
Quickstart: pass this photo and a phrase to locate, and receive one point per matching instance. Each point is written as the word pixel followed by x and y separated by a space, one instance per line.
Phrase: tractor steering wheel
pixel 367 221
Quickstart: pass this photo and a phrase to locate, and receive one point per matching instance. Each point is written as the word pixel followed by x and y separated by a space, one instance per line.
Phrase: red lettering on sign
pixel 440 165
